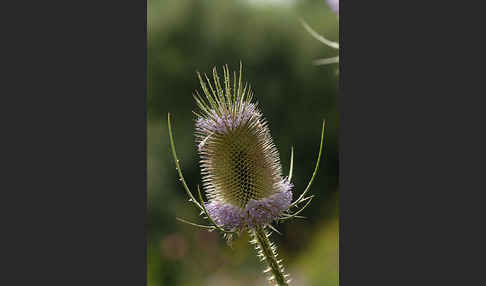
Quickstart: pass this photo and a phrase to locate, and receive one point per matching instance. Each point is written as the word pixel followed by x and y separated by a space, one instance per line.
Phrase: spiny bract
pixel 240 165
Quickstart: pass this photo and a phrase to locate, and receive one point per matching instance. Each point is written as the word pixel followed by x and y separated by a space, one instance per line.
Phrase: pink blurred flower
pixel 334 5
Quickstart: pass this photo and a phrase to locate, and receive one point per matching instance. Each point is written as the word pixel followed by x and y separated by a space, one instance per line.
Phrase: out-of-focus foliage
pixel 277 53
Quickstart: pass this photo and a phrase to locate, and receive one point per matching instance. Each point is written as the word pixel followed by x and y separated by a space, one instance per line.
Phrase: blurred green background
pixel 189 35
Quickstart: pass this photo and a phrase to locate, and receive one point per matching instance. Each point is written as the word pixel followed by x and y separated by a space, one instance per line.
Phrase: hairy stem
pixel 267 252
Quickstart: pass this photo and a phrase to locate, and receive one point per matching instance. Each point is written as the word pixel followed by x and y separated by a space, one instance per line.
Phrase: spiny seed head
pixel 240 165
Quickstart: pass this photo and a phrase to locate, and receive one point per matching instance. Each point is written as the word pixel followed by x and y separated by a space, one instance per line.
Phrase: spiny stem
pixel 267 252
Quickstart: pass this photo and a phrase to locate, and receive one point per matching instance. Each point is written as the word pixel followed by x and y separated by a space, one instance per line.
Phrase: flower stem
pixel 267 252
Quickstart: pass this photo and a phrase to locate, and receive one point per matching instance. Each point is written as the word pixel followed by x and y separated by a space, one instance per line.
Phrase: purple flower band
pixel 256 212
pixel 226 122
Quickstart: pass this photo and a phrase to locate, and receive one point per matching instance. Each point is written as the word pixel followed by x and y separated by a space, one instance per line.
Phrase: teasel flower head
pixel 240 165
pixel 241 170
